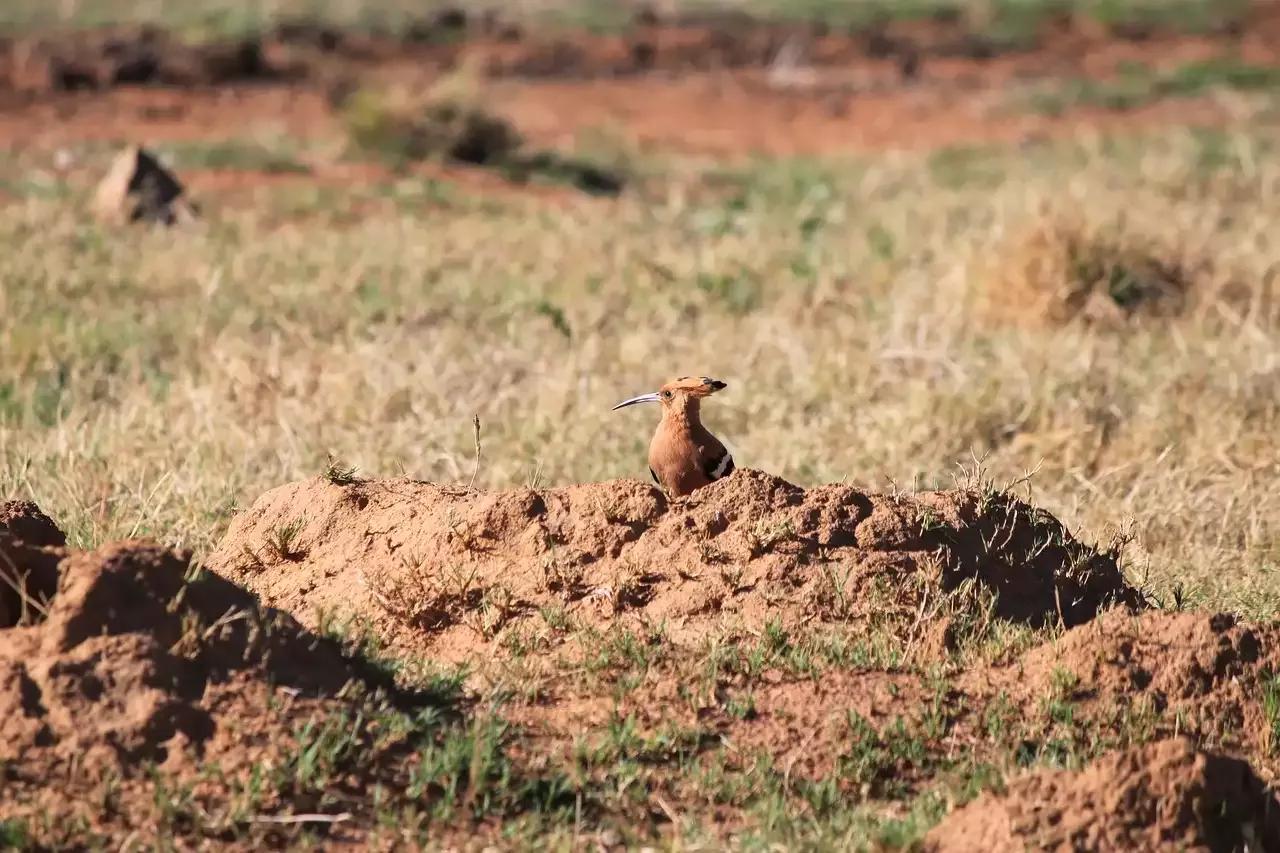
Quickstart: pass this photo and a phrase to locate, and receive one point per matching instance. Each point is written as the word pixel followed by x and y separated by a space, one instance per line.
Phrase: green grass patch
pixel 1137 85
pixel 233 155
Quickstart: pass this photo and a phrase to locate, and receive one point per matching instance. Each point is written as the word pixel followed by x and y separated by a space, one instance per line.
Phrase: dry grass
pixel 151 383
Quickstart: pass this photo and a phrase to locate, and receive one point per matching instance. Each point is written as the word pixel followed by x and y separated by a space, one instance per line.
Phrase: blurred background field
pixel 1034 237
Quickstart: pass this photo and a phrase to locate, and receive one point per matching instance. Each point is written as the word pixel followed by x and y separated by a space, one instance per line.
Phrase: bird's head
pixel 678 395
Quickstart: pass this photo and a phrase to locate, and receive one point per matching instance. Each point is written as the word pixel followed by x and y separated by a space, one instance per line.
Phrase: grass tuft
pixel 1075 261
pixel 447 121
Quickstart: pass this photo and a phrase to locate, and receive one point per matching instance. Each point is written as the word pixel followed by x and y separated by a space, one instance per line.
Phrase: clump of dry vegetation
pixel 445 121
pixel 451 121
pixel 1105 260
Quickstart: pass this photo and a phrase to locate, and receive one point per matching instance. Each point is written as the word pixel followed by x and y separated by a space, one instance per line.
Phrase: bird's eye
pixel 666 395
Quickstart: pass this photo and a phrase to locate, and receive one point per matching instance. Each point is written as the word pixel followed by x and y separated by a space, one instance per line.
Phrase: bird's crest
pixel 686 388
pixel 694 386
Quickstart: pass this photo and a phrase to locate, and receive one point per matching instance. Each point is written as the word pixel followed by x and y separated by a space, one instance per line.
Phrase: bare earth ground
pixel 928 256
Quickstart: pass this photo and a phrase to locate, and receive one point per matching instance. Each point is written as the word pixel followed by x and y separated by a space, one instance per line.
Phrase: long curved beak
pixel 643 398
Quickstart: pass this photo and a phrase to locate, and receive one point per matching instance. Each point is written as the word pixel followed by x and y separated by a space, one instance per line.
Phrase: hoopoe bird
pixel 683 455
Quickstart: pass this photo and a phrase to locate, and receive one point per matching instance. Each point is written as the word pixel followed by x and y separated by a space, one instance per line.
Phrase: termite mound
pixel 454 572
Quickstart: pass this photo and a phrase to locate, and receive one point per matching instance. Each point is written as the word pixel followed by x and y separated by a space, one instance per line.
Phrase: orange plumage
pixel 684 455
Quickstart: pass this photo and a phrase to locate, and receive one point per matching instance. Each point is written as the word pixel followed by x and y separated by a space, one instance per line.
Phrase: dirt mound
pixel 164 701
pixel 128 650
pixel 453 569
pixel 1164 796
pixel 139 675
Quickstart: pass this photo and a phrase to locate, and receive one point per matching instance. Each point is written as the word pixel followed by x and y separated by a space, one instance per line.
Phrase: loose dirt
pixel 1164 796
pixel 450 572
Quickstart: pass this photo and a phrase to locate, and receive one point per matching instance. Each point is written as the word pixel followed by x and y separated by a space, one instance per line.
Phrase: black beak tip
pixel 716 384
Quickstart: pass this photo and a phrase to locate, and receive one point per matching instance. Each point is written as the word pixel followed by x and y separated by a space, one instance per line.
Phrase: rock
pixel 138 188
